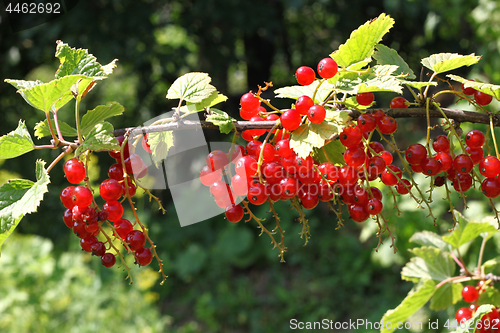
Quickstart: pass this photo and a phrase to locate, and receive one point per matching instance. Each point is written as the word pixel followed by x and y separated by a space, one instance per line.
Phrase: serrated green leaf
pixel 79 61
pixel 214 99
pixel 221 119
pixel 332 152
pixel 160 143
pixel 487 88
pixel 427 238
pixel 20 197
pixel 100 138
pixel 490 295
pixel 52 95
pixel 418 84
pixel 191 87
pixel 21 84
pixel 387 56
pixel 377 78
pixel 466 231
pixel 16 143
pixel 362 41
pixel 429 263
pixel 416 298
pixel 447 295
pixel 444 62
pixel 42 129
pixel 472 323
pixel 295 92
pixel 99 114
pixel 309 136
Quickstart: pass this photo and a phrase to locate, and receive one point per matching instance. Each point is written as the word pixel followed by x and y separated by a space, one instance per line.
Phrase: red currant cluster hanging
pixel 84 216
pixel 490 322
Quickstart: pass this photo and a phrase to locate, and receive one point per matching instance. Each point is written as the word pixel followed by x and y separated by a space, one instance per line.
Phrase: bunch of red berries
pixel 85 218
pixel 480 97
pixel 490 322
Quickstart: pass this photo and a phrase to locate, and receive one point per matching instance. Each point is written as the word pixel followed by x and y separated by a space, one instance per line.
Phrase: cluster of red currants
pixel 490 322
pixel 85 218
pixel 481 98
pixel 458 169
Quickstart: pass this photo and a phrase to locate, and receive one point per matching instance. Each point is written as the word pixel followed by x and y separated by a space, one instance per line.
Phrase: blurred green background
pixel 222 277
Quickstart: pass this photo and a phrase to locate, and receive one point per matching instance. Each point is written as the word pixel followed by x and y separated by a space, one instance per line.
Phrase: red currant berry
pixel 238 151
pixel 463 314
pixel 387 125
pixel 257 131
pixel 114 210
pixel 289 188
pixel 476 154
pixel 463 164
pixel 74 171
pixel 470 294
pixel 482 98
pixel 249 102
pixel 445 160
pixel 374 206
pixel 234 213
pixel 475 139
pixel 351 136
pixel 134 165
pixel 207 177
pixel 403 187
pixel 305 75
pixel 491 187
pixel 439 181
pixel 325 192
pixel 430 166
pixel 81 196
pixel 283 148
pixel 110 190
pixel 398 103
pixel 329 171
pixel 416 153
pixel 135 239
pixel 247 115
pixel 108 260
pixel 273 172
pixel 327 68
pixel 365 98
pixel 67 197
pixel 68 218
pixel 377 147
pixel 239 185
pixel 358 213
pixel 123 227
pixel 316 114
pixel 441 144
pixel 390 179
pixel 468 91
pixel 355 157
pixel 217 160
pixel 143 256
pixel 98 249
pixel 462 182
pixel 386 156
pixel 489 166
pixel 378 114
pixel 367 123
pixel 116 154
pixel 309 200
pixel 347 175
pixel 257 193
pixel 290 119
pixel 376 165
pixel 303 104
pixel 246 167
pixel 253 148
pixel 115 171
pixel 87 242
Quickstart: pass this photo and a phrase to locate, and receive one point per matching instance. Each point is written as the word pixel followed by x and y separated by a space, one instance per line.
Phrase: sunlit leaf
pixel 221 119
pixel 487 88
pixel 16 143
pixel 42 129
pixel 444 62
pixel 100 138
pixel 191 87
pixel 429 263
pixel 99 114
pixel 387 56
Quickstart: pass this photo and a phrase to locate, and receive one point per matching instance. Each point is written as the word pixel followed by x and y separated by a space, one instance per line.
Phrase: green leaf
pixel 444 62
pixel 472 323
pixel 310 136
pixel 447 295
pixel 387 56
pixel 19 197
pixel 377 78
pixel 429 263
pixel 52 95
pixel 492 266
pixel 221 119
pixel 79 61
pixel 487 88
pixel 160 143
pixel 427 238
pixel 191 87
pixel 466 231
pixel 332 152
pixel 490 295
pixel 362 41
pixel 99 114
pixel 16 143
pixel 21 84
pixel 295 92
pixel 418 84
pixel 416 298
pixel 42 129
pixel 100 138
pixel 214 99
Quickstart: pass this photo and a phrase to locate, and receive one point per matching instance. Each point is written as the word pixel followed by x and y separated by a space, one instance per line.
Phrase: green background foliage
pixel 223 277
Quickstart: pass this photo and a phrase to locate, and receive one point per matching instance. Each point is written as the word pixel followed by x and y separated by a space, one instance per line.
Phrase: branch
pixel 457 115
